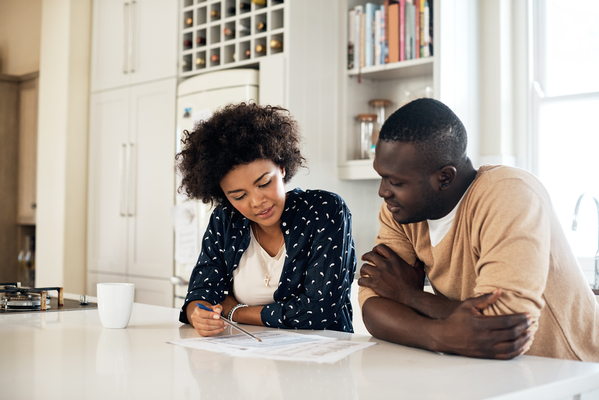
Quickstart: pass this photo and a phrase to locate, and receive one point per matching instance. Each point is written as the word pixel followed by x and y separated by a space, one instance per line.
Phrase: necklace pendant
pixel 266 282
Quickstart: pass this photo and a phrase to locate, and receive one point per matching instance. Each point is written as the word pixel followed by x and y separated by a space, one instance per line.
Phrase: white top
pixel 248 279
pixel 68 355
pixel 438 228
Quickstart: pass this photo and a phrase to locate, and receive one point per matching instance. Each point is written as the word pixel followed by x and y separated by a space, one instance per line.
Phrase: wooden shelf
pixel 398 70
pixel 357 169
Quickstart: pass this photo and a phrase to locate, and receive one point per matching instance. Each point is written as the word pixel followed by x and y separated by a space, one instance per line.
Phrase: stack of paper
pixel 278 345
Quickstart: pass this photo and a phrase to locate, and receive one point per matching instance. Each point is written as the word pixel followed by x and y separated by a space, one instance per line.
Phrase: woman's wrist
pixel 232 312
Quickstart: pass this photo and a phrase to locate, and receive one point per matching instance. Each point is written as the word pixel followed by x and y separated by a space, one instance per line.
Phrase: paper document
pixel 187 234
pixel 278 345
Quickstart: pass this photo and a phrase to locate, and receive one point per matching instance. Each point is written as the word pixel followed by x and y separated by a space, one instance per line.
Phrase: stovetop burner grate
pixel 14 297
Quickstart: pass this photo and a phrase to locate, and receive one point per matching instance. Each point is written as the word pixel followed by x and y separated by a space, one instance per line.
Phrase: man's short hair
pixel 435 131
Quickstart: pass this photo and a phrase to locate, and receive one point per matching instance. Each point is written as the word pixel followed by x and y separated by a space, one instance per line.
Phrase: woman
pixel 270 258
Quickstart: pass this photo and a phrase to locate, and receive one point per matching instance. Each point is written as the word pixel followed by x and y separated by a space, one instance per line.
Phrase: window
pixel 565 114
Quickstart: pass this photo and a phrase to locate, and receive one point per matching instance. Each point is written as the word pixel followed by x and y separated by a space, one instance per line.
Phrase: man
pixel 505 279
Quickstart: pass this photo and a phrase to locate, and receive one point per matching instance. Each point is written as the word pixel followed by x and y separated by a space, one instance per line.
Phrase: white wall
pixel 504 93
pixel 313 69
pixel 62 144
pixel 20 32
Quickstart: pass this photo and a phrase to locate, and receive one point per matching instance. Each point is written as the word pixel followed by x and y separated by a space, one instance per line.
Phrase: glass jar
pixel 366 129
pixel 379 108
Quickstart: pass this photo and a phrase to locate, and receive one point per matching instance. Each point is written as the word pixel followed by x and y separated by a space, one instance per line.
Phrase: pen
pixel 233 324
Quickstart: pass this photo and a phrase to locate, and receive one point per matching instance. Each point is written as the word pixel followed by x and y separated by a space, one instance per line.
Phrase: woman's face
pixel 257 191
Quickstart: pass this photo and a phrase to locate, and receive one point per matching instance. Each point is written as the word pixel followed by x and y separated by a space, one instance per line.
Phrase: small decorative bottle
pixel 366 129
pixel 379 108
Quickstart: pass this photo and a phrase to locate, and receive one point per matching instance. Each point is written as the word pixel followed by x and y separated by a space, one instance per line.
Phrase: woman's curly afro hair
pixel 234 135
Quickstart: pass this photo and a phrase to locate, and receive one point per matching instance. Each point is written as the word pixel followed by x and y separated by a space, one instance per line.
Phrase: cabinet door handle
pixel 123 162
pixel 126 16
pixel 132 36
pixel 131 181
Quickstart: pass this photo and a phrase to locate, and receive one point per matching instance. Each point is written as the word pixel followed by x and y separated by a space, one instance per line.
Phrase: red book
pixel 402 30
pixel 417 30
pixel 393 29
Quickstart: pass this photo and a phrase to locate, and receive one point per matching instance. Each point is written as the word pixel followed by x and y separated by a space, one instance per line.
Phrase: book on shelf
pixel 394 31
pixel 402 30
pixel 417 29
pixel 369 35
pixel 409 32
pixel 362 40
pixel 425 31
pixel 393 13
pixel 377 37
pixel 385 8
pixel 430 28
pixel 351 38
pixel 384 49
pixel 358 10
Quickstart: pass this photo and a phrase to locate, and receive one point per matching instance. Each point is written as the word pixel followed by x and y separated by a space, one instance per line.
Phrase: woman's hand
pixel 205 322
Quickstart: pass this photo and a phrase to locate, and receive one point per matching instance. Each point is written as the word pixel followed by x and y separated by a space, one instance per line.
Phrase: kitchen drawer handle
pixel 132 29
pixel 131 180
pixel 126 16
pixel 123 180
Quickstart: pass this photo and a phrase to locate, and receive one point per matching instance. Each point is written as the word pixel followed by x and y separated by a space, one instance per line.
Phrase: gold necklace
pixel 267 272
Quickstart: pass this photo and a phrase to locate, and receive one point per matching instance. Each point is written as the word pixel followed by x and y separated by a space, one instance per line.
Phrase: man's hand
pixel 389 275
pixel 470 333
pixel 465 331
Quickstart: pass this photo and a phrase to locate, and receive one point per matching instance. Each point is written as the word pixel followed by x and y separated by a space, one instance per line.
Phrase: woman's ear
pixel 283 171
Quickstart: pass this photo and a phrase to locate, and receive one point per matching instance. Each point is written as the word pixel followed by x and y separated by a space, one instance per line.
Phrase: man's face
pixel 410 194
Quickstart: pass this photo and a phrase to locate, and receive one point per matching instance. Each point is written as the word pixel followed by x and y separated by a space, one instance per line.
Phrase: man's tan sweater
pixel 506 235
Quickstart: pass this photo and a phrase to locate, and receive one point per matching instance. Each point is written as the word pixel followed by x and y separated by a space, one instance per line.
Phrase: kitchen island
pixel 69 355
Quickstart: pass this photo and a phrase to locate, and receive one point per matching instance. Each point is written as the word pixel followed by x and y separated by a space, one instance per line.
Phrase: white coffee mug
pixel 115 302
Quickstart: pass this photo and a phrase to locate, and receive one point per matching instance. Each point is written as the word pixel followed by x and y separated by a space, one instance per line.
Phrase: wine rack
pixel 221 34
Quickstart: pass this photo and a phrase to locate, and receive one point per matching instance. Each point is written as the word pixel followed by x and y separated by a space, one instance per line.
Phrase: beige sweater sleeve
pixel 392 234
pixel 513 247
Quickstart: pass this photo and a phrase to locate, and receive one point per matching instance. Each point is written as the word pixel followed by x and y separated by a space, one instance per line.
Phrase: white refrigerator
pixel 197 98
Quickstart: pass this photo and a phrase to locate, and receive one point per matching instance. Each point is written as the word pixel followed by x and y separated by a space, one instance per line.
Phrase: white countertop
pixel 68 355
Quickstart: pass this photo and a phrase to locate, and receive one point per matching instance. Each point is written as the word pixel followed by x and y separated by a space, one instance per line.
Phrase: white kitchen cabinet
pixel 131 176
pixel 157 292
pixel 133 41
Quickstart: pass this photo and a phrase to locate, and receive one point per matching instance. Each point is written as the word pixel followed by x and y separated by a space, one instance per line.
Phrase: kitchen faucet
pixel 575 226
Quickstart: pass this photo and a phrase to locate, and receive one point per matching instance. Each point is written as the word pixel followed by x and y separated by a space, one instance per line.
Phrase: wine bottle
pixel 214 58
pixel 187 43
pixel 245 7
pixel 229 33
pixel 231 10
pixel 200 62
pixel 243 29
pixel 189 21
pixel 276 44
pixel 260 49
pixel 261 27
pixel 248 53
pixel 214 14
pixel 259 2
pixel 200 41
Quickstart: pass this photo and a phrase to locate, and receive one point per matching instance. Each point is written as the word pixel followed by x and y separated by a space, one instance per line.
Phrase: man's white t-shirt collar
pixel 438 228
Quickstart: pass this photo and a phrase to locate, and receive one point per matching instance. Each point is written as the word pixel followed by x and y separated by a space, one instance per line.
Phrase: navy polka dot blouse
pixel 314 288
